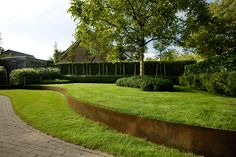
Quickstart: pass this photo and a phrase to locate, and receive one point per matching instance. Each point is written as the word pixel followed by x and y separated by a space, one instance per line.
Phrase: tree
pixel 161 46
pixel 215 36
pixel 138 21
pixel 1 48
pixel 56 55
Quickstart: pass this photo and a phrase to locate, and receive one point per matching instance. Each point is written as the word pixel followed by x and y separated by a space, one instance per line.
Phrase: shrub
pixel 226 63
pixel 92 78
pixel 3 75
pixel 146 83
pixel 222 83
pixel 49 73
pixel 30 75
pixel 24 76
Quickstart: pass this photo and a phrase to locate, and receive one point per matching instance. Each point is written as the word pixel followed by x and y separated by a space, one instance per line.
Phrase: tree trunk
pixel 142 50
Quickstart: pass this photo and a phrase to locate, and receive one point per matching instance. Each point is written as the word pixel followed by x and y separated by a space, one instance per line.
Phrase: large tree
pixel 215 36
pixel 139 22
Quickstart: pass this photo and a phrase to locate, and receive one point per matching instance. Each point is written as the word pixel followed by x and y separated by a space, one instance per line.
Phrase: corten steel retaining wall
pixel 204 141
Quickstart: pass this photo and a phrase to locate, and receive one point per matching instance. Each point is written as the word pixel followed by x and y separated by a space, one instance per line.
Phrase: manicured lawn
pixel 49 112
pixel 184 106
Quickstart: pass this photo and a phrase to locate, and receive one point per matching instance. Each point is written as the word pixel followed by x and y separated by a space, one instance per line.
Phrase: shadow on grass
pixel 184 89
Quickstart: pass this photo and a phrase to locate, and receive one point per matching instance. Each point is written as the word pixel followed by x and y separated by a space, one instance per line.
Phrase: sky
pixel 33 26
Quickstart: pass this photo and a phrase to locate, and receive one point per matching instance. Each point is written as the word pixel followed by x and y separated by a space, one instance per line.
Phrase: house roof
pixel 16 53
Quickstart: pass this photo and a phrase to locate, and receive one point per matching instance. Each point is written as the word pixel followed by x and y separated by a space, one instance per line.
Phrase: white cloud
pixel 34 25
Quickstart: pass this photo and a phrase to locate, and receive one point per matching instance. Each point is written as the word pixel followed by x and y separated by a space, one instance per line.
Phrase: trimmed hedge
pixel 154 68
pixel 146 83
pixel 92 78
pixel 224 63
pixel 31 76
pixel 3 75
pixel 221 83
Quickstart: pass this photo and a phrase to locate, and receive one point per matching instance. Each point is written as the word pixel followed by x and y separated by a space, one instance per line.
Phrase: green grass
pixel 184 106
pixel 49 112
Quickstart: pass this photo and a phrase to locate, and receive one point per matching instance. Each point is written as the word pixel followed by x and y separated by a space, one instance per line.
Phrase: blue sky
pixel 33 26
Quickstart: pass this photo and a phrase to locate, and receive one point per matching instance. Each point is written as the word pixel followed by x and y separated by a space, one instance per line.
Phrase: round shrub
pixel 146 83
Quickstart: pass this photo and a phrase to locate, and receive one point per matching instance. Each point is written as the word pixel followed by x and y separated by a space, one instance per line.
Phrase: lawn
pixel 49 112
pixel 184 106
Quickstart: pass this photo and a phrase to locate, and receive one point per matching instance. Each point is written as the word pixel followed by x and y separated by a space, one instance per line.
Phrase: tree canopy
pixel 217 34
pixel 102 24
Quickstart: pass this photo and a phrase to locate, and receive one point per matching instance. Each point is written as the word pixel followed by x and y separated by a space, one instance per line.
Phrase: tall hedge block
pixel 221 83
pixel 223 63
pixel 3 75
pixel 153 68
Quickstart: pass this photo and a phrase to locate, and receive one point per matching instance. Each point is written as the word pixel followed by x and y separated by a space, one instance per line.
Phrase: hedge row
pixel 224 63
pixel 3 75
pixel 30 75
pixel 146 83
pixel 222 83
pixel 153 68
pixel 92 78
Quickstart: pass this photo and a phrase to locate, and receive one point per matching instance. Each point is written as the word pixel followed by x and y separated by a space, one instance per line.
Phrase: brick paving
pixel 17 139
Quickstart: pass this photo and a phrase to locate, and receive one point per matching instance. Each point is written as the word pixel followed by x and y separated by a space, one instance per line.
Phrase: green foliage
pixel 92 78
pixel 49 73
pixel 24 76
pixel 31 76
pixel 215 34
pixel 223 63
pixel 147 83
pixel 222 83
pixel 154 68
pixel 3 75
pixel 56 55
pixel 101 24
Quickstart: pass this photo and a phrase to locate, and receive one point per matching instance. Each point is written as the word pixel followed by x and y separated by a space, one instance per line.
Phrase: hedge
pixel 92 78
pixel 223 63
pixel 153 68
pixel 221 83
pixel 31 76
pixel 146 83
pixel 3 75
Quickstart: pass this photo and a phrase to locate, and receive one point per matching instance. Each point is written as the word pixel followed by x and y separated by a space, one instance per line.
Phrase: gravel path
pixel 17 139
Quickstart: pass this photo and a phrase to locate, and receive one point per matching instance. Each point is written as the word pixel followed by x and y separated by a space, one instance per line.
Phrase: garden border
pixel 204 141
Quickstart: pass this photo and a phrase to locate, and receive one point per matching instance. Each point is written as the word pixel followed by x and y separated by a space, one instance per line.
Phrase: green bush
pixel 24 76
pixel 31 76
pixel 49 73
pixel 221 83
pixel 146 83
pixel 3 75
pixel 92 78
pixel 224 63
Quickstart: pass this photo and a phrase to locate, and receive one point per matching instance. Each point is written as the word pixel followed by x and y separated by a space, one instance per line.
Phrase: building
pixel 78 54
pixel 12 60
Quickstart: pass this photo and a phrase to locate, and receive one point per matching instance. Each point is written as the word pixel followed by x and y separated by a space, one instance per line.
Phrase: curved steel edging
pixel 204 141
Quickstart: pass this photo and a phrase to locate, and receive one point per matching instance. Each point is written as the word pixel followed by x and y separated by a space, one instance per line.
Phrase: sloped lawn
pixel 183 106
pixel 49 112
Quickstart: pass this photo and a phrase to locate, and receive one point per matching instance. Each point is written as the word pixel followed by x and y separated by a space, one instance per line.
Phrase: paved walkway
pixel 20 140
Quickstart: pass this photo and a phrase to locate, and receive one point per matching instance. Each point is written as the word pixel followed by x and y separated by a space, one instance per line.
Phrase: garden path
pixel 17 139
